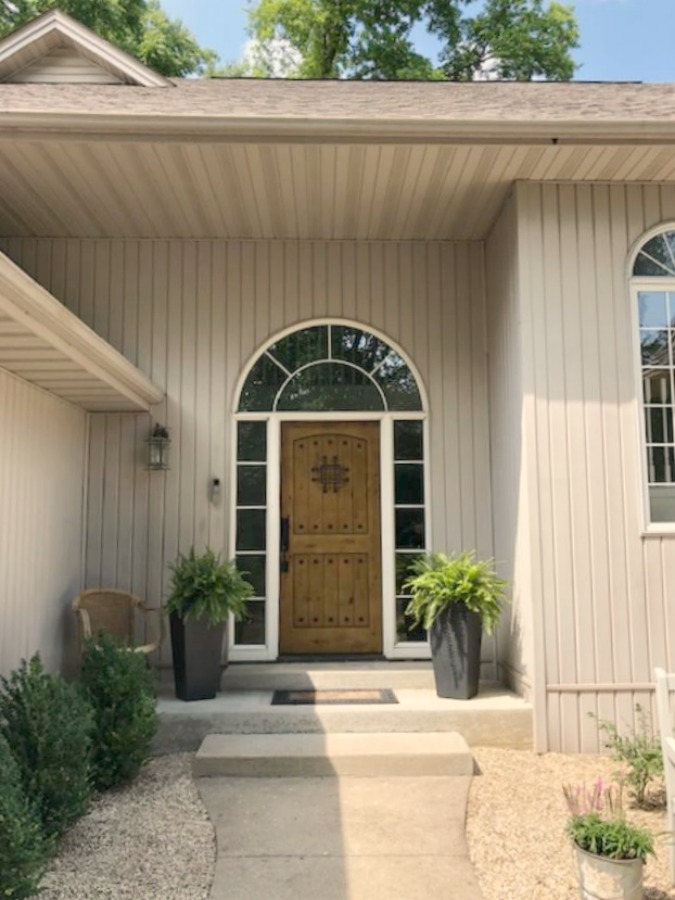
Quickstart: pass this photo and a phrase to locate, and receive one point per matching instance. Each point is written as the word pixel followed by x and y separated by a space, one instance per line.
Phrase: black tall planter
pixel 197 648
pixel 455 640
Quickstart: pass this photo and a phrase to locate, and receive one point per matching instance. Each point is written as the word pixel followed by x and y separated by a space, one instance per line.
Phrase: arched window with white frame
pixel 653 295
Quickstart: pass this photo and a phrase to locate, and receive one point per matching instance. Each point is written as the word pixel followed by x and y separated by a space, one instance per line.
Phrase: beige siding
pixel 604 591
pixel 42 475
pixel 63 65
pixel 190 314
pixel 508 458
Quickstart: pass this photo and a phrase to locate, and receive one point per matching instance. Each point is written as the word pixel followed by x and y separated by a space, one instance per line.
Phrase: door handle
pixel 284 538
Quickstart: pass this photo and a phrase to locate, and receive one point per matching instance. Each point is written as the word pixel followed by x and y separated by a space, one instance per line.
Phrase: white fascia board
pixel 59 27
pixel 28 303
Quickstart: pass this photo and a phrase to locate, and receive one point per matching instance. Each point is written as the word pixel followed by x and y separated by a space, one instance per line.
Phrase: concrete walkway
pixel 340 838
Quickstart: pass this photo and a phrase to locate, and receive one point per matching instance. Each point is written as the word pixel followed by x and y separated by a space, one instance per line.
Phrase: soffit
pixel 299 190
pixel 44 343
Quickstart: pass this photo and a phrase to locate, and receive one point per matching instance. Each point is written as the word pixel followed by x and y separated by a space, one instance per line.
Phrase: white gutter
pixel 207 128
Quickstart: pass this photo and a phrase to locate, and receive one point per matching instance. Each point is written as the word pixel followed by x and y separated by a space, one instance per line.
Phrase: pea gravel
pixel 516 826
pixel 150 840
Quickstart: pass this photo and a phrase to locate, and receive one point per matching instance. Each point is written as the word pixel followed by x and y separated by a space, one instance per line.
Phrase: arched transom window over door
pixel 328 379
pixel 330 368
pixel 653 293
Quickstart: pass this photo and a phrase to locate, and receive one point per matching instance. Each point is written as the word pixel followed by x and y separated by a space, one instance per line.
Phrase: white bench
pixel 665 704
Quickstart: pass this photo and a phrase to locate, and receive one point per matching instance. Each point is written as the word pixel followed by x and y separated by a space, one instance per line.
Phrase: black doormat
pixel 346 696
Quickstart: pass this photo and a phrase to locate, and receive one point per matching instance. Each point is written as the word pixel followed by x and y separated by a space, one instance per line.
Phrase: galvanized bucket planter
pixel 601 878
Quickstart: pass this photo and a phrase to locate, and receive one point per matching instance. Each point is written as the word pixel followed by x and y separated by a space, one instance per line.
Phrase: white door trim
pixel 391 649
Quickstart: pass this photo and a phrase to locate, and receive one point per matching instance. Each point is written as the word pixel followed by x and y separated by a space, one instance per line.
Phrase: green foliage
pixel 23 850
pixel 514 40
pixel 510 39
pixel 640 751
pixel 47 724
pixel 119 686
pixel 439 580
pixel 598 825
pixel 613 838
pixel 203 585
pixel 140 27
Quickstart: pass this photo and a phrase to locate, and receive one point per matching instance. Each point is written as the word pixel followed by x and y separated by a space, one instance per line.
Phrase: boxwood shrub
pixel 23 849
pixel 47 724
pixel 120 689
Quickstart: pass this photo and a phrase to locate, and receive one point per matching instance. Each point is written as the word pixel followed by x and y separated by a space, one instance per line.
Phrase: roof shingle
pixel 303 101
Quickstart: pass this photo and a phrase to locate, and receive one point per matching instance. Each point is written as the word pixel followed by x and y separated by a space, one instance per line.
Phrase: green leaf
pixel 439 580
pixel 203 585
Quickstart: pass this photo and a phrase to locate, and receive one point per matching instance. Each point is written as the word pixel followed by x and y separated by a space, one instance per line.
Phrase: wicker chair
pixel 114 612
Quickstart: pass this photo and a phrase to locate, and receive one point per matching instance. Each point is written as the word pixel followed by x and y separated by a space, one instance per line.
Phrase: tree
pixel 510 39
pixel 141 27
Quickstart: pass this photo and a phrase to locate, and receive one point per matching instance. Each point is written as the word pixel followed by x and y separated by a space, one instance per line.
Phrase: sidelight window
pixel 251 541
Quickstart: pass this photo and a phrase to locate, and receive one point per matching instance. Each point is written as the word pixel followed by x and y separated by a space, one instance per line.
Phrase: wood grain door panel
pixel 331 594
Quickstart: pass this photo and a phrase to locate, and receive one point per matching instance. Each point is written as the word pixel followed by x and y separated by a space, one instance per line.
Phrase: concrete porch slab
pixel 496 717
pixel 322 755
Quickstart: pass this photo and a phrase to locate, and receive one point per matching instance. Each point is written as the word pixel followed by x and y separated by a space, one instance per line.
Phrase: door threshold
pixel 331 657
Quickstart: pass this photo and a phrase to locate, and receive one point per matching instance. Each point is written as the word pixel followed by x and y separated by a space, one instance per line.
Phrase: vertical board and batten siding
pixel 42 482
pixel 190 314
pixel 604 590
pixel 508 468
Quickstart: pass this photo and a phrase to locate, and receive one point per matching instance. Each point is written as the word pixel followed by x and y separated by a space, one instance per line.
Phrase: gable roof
pixel 54 29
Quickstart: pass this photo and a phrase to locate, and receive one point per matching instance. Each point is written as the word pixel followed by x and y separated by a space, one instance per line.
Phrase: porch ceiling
pixel 122 187
pixel 42 342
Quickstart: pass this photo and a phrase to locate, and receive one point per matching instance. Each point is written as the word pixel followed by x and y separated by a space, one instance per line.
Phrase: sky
pixel 621 40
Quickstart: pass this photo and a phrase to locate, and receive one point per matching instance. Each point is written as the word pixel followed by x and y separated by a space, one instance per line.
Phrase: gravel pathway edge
pixel 149 840
pixel 516 826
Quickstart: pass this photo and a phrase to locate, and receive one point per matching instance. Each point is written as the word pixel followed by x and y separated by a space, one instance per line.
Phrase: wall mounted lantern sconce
pixel 159 444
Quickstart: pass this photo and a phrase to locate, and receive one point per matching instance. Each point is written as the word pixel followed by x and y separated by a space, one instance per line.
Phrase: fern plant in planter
pixel 455 598
pixel 205 591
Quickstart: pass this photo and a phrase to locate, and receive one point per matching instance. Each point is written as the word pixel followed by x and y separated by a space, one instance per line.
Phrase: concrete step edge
pixel 342 754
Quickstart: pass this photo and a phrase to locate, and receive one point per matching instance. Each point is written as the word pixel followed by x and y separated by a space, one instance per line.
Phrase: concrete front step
pixel 496 717
pixel 321 755
pixel 327 676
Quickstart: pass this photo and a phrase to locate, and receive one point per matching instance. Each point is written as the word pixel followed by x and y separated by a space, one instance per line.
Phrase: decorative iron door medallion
pixel 331 594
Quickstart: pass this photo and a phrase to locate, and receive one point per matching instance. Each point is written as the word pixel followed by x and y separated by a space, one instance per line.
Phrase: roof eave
pixel 28 303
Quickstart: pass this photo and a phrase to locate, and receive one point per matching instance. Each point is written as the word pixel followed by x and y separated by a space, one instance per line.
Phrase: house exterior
pixel 375 319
